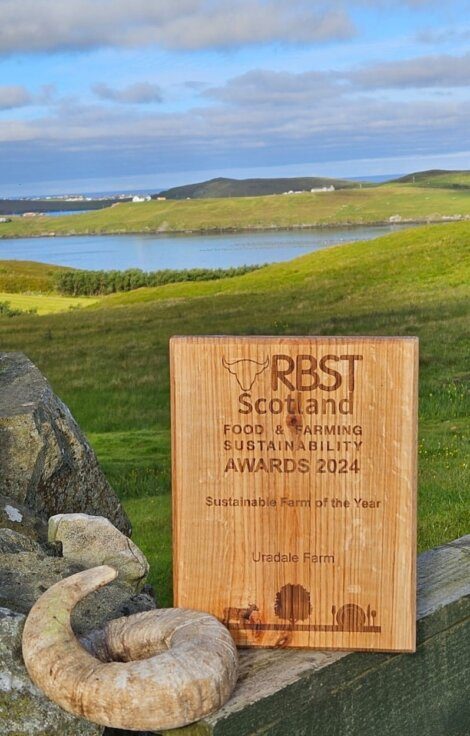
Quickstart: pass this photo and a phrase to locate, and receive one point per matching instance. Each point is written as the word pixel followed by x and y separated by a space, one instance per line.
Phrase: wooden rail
pixel 317 693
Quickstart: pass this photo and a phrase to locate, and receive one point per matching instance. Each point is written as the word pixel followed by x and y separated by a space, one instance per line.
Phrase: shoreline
pixel 403 222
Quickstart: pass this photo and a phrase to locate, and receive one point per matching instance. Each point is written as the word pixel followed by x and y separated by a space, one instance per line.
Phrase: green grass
pixel 441 179
pixel 20 277
pixel 346 206
pixel 45 303
pixel 109 363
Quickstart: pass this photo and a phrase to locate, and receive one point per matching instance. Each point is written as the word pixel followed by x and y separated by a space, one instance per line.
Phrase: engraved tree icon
pixel 293 603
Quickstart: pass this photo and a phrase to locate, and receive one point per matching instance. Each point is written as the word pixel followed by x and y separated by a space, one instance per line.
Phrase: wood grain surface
pixel 294 488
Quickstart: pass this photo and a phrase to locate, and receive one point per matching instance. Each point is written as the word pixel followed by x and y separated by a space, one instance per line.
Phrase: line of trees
pixel 97 283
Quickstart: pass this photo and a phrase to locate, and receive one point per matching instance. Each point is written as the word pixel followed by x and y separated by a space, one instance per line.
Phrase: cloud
pixel 265 87
pixel 106 140
pixel 434 36
pixel 139 93
pixel 52 25
pixel 12 96
pixel 421 72
pixel 267 131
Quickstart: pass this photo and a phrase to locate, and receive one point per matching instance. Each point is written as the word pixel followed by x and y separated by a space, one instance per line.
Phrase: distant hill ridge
pixel 223 187
pixel 444 178
pixel 20 206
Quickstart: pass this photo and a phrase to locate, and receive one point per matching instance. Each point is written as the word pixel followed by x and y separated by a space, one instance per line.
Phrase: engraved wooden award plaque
pixel 294 488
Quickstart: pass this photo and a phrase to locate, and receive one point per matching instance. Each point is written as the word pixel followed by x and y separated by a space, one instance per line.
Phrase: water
pixel 59 213
pixel 154 252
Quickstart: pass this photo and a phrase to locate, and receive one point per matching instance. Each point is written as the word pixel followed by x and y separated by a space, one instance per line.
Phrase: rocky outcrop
pixel 48 468
pixel 47 464
pixel 24 576
pixel 28 567
pixel 92 540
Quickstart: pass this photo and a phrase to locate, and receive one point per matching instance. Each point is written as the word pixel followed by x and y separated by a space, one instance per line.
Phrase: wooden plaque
pixel 294 488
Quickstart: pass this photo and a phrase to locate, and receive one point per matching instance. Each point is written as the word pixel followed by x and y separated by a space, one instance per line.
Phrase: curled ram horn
pixel 152 671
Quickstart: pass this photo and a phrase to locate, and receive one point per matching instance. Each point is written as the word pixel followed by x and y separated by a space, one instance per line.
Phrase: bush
pixel 7 311
pixel 99 283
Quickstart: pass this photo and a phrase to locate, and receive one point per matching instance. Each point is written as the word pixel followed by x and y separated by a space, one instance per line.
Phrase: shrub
pixel 99 283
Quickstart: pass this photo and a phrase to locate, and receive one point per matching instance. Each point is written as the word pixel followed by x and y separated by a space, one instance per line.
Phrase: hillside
pixel 341 207
pixel 28 277
pixel 20 206
pixel 222 187
pixel 109 362
pixel 438 178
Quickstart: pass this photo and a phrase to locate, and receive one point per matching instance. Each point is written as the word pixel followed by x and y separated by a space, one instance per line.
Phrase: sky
pixel 101 95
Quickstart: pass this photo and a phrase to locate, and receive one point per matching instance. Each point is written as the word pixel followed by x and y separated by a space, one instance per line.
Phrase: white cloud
pixel 421 72
pixel 265 87
pixel 12 96
pixel 55 25
pixel 140 93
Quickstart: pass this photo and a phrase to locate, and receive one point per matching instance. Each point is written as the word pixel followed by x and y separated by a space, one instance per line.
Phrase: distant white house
pixel 5 219
pixel 304 191
pixel 139 198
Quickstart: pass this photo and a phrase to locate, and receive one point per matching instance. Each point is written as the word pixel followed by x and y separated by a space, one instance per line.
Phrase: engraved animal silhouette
pixel 240 615
pixel 245 371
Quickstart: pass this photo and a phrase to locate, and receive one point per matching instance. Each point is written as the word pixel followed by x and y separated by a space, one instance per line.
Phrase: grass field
pixel 28 277
pixel 441 179
pixel 45 303
pixel 346 206
pixel 109 363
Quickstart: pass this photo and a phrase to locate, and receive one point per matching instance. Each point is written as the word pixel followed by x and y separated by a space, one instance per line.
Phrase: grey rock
pixel 27 569
pixel 106 604
pixel 92 540
pixel 47 464
pixel 24 710
pixel 14 542
pixel 14 515
pixel 25 576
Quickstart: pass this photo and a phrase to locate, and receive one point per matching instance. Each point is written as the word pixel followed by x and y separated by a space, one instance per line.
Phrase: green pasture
pixel 441 179
pixel 341 207
pixel 45 303
pixel 109 362
pixel 28 277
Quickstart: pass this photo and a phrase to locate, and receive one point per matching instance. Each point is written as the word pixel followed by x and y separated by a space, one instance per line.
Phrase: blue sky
pixel 145 94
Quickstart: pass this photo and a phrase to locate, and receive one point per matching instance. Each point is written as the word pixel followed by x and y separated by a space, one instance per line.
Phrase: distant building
pixel 324 189
pixel 5 219
pixel 138 198
pixel 161 199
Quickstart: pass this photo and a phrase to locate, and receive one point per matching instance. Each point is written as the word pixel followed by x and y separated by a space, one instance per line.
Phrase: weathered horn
pixel 156 670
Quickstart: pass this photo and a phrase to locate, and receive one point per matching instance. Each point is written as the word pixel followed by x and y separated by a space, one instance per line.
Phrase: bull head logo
pixel 245 371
